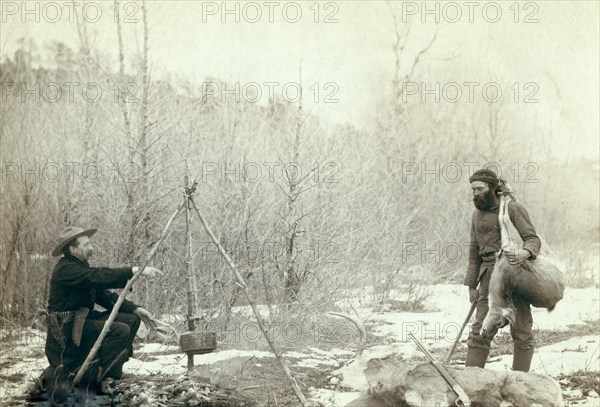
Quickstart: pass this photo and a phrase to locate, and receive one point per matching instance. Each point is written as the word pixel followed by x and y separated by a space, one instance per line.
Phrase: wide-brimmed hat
pixel 68 234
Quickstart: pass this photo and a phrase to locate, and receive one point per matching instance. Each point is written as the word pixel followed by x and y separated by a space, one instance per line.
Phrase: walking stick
pixel 462 328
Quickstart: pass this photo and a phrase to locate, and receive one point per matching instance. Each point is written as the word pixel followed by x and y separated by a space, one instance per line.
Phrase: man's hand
pixel 516 255
pixel 473 294
pixel 146 317
pixel 150 272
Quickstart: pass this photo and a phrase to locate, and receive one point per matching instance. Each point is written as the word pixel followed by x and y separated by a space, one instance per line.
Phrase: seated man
pixel 73 325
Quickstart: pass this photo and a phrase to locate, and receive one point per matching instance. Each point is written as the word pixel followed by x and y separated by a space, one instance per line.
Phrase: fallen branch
pixel 121 298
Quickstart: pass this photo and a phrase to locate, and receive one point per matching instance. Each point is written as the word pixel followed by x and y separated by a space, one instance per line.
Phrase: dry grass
pixel 584 380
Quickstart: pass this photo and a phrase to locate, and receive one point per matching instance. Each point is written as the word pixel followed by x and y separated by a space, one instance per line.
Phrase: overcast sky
pixel 559 52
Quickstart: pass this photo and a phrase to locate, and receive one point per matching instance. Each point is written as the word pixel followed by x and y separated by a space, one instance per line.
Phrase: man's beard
pixel 485 202
pixel 89 252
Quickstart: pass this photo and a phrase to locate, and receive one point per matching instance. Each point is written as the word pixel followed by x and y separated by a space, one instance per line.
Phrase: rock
pixel 399 384
pixel 593 394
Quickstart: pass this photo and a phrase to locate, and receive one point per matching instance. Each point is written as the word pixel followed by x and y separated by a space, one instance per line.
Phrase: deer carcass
pixel 541 281
pixel 394 382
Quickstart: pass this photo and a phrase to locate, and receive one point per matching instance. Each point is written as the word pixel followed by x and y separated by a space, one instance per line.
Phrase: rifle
pixel 463 399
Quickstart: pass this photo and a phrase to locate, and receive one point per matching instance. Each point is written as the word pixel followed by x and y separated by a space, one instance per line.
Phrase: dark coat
pixel 486 239
pixel 75 284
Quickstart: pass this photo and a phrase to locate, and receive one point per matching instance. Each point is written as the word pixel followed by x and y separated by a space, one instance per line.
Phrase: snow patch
pixel 157 347
pixel 332 352
pixel 177 364
pixel 314 363
pixel 566 357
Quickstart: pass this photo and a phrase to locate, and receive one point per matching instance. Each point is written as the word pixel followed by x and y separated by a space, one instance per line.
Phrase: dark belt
pixel 57 320
pixel 489 257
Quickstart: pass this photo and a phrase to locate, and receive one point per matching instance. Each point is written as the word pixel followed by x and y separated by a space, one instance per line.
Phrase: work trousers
pixel 522 332
pixel 119 337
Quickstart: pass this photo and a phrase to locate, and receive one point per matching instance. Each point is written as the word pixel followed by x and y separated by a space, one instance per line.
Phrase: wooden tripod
pixel 188 203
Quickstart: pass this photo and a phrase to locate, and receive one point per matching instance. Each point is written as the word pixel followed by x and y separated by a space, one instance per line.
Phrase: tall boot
pixel 522 359
pixel 476 357
pixel 115 368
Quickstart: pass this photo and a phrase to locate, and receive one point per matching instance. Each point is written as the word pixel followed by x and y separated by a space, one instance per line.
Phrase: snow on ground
pixel 448 306
pixel 157 347
pixel 578 353
pixel 246 310
pixel 576 307
pixel 176 364
pixel 146 362
pixel 314 357
pixel 439 328
pixel 21 363
pixel 332 352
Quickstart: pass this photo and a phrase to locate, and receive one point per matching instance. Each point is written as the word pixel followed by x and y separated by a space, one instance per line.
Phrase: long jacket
pixel 74 284
pixel 486 240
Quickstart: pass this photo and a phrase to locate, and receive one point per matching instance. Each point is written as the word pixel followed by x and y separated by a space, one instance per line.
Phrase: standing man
pixel 73 325
pixel 484 247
